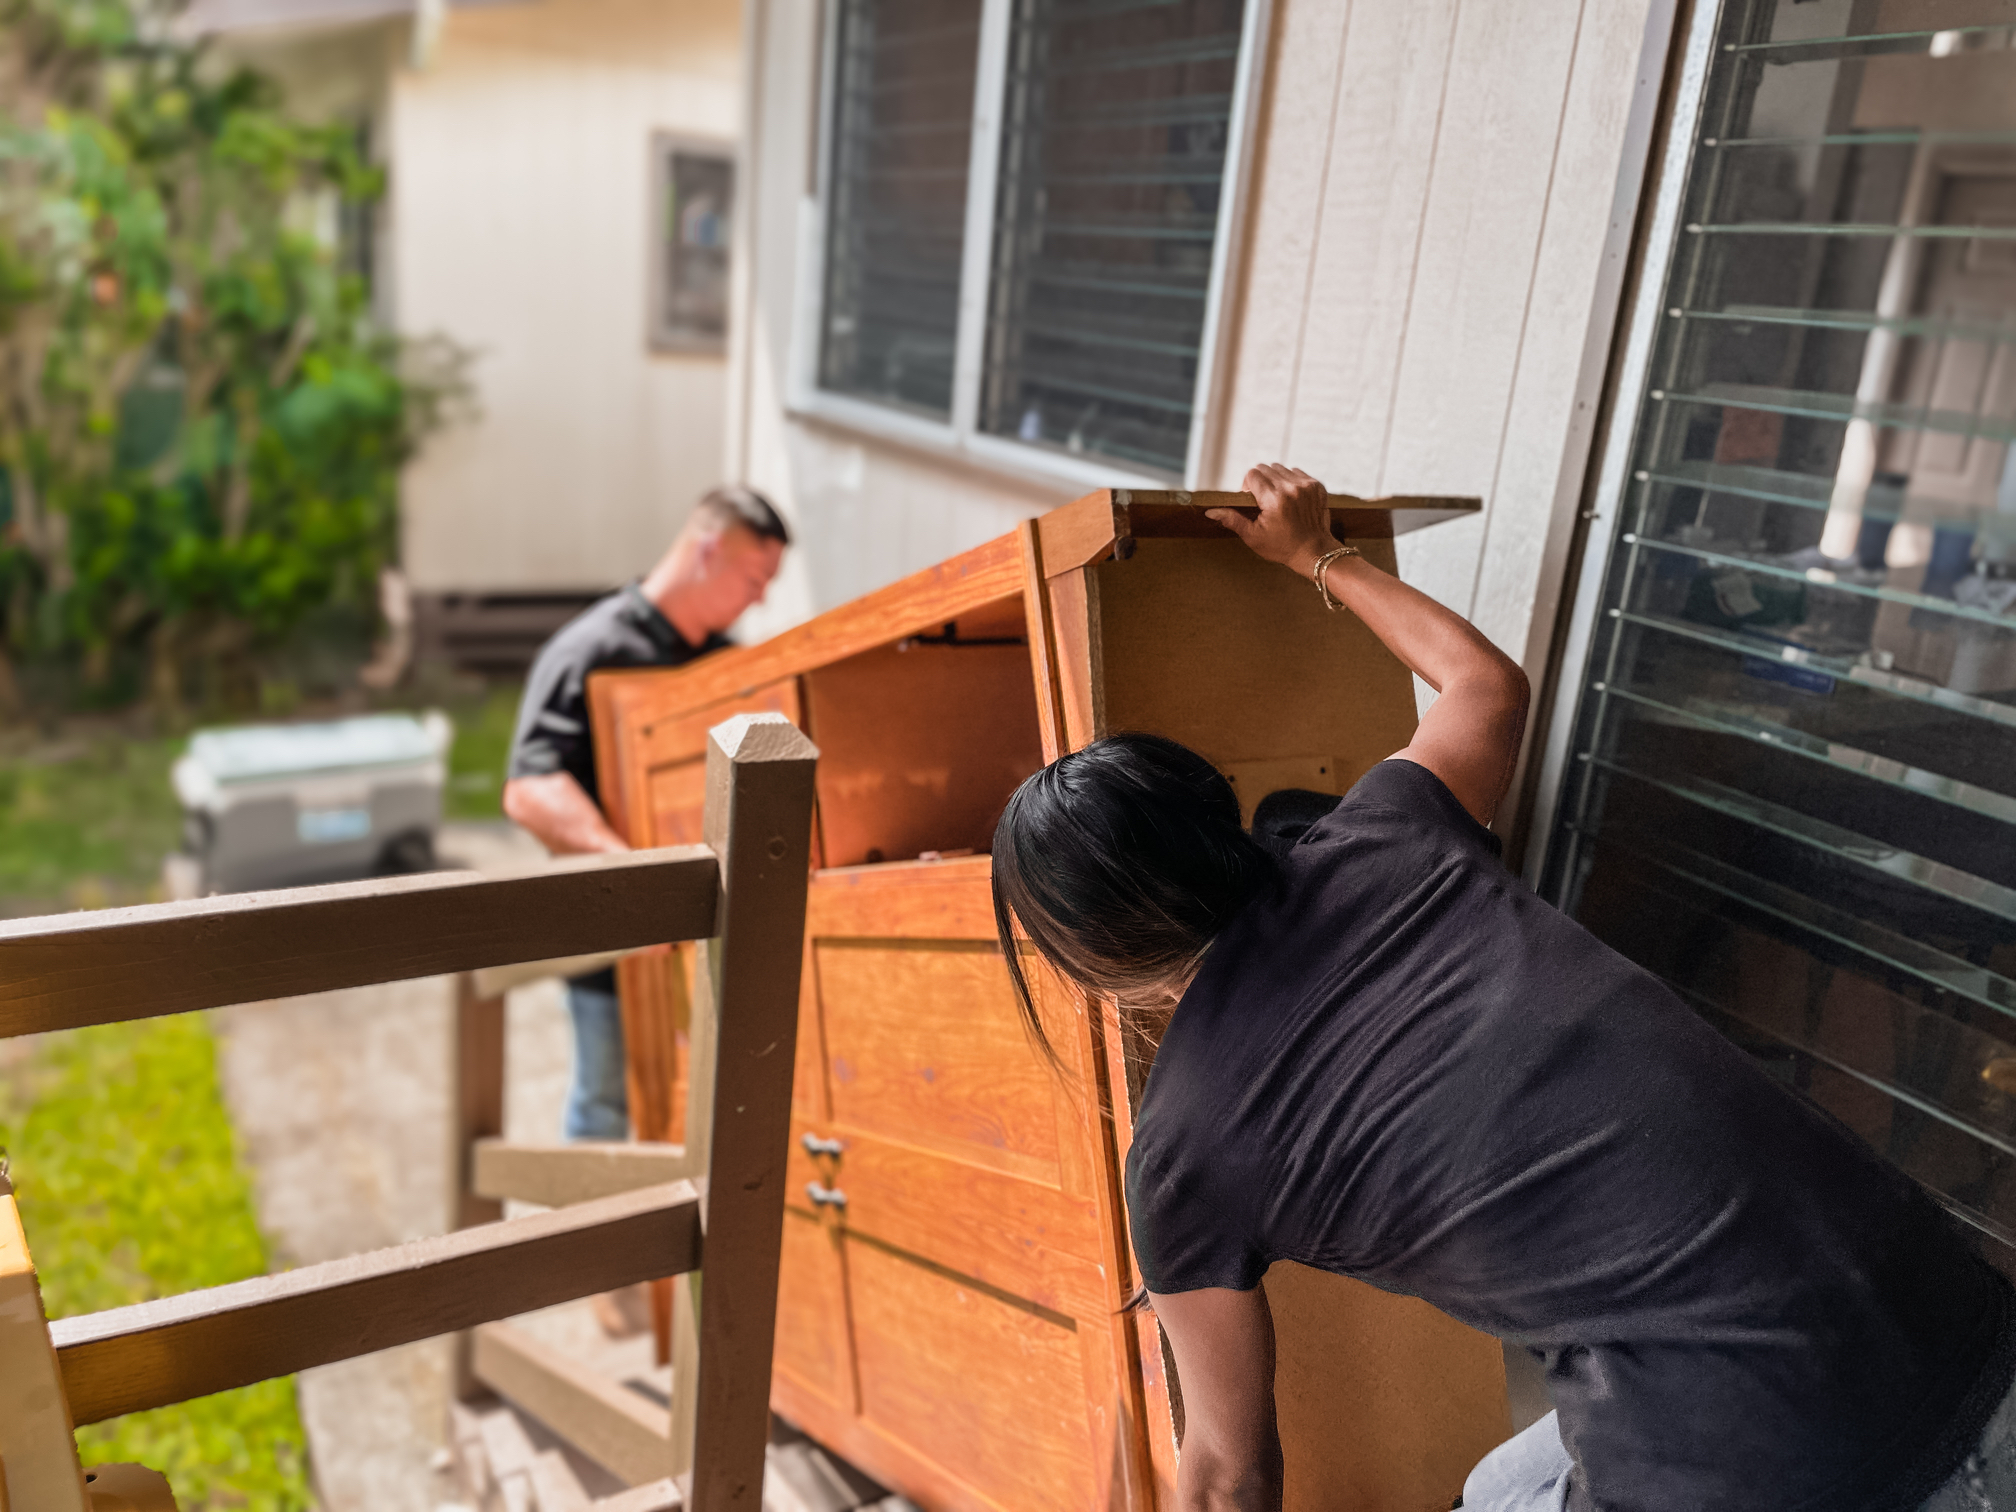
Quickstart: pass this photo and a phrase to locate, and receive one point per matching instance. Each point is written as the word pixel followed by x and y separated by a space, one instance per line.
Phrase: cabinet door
pixel 968 1191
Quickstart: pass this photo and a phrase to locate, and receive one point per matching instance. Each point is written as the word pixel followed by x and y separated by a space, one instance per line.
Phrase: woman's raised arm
pixel 1470 738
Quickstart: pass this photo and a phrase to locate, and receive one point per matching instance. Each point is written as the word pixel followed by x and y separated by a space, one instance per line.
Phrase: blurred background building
pixel 561 198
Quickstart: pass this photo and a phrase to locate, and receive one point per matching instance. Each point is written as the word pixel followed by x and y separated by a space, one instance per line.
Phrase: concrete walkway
pixel 341 1103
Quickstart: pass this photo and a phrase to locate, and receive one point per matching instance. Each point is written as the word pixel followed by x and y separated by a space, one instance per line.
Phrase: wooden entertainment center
pixel 955 1253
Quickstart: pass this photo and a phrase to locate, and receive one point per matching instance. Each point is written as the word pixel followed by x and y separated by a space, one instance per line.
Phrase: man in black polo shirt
pixel 722 563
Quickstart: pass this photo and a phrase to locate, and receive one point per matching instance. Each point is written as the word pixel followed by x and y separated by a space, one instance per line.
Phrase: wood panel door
pixel 949 1305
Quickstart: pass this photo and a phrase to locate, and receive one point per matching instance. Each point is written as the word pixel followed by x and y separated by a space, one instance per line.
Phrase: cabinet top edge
pixel 1107 521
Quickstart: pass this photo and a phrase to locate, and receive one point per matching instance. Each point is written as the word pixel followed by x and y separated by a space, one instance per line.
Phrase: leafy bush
pixel 201 429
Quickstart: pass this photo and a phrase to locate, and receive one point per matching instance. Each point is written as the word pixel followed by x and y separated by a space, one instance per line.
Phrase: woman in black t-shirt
pixel 1381 1055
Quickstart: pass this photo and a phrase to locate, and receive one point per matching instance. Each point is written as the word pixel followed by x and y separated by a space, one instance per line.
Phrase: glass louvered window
pixel 1023 206
pixel 1790 778
pixel 902 133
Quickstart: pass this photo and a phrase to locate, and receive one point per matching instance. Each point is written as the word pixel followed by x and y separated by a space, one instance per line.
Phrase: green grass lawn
pixel 86 817
pixel 122 1148
pixel 130 1188
pixel 476 765
pixel 85 820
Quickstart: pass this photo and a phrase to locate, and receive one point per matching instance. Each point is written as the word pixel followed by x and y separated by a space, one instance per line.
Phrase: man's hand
pixel 560 815
pixel 1294 524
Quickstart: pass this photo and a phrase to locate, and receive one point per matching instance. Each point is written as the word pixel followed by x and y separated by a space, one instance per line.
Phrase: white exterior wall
pixel 1425 295
pixel 518 225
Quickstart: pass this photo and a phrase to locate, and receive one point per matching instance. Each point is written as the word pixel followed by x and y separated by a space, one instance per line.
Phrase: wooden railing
pixel 648 1213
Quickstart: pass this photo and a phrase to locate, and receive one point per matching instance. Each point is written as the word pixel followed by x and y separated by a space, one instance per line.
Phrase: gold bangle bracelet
pixel 1323 567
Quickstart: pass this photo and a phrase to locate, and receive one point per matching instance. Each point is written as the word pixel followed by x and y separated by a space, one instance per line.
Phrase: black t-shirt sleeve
pixel 552 734
pixel 1408 788
pixel 1191 1221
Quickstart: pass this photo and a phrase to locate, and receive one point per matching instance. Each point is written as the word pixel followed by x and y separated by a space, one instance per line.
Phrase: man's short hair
pixel 734 504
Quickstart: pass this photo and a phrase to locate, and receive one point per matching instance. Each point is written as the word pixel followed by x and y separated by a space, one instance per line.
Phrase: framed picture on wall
pixel 693 194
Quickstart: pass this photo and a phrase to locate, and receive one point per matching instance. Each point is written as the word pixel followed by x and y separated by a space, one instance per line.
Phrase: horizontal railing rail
pixel 151 1354
pixel 69 970
pixel 744 892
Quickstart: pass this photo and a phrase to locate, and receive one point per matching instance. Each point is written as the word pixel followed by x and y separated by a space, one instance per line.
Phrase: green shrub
pixel 201 428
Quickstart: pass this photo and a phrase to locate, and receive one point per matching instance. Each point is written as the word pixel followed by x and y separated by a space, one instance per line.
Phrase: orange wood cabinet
pixel 955 1250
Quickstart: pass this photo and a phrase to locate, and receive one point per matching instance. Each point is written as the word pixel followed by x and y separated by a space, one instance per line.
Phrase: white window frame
pixel 960 437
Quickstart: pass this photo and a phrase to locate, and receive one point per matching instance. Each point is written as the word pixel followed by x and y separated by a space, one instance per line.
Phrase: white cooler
pixel 289 805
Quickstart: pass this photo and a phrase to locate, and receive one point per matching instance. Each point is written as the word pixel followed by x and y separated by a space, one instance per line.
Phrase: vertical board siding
pixel 1374 200
pixel 1296 128
pixel 1430 331
pixel 776 167
pixel 1577 281
pixel 1488 200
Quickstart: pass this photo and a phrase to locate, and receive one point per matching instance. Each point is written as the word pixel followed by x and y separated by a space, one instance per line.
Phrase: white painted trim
pixel 742 255
pixel 1052 464
pixel 801 384
pixel 1015 459
pixel 1228 246
pixel 983 175
pixel 959 439
pixel 1627 383
pixel 884 422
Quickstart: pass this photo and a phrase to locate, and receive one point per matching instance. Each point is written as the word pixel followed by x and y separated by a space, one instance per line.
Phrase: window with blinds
pixel 1106 138
pixel 1791 788
pixel 901 136
pixel 1112 166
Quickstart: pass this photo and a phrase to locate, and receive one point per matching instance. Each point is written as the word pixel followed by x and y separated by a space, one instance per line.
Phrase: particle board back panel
pixel 1384 1403
pixel 1203 642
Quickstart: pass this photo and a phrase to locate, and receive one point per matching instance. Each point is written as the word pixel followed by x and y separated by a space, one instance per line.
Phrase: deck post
pixel 759 823
pixel 38 1450
pixel 476 1111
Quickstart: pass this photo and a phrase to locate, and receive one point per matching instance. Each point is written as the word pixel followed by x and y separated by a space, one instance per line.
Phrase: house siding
pixel 520 204
pixel 1437 216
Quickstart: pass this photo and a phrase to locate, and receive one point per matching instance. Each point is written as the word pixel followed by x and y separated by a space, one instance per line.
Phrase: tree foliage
pixel 201 428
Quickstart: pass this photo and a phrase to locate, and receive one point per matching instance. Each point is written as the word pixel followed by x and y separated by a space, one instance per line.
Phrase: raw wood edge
pixel 1082 532
pixel 620 1430
pixel 561 1175
pixel 1042 643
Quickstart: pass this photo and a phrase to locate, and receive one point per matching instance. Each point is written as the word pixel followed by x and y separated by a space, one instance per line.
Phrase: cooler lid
pixel 254 753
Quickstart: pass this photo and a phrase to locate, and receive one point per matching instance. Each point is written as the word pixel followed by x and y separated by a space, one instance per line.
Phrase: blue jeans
pixel 598 1103
pixel 1529 1472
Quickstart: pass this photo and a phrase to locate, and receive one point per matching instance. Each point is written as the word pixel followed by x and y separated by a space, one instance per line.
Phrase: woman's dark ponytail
pixel 1121 862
